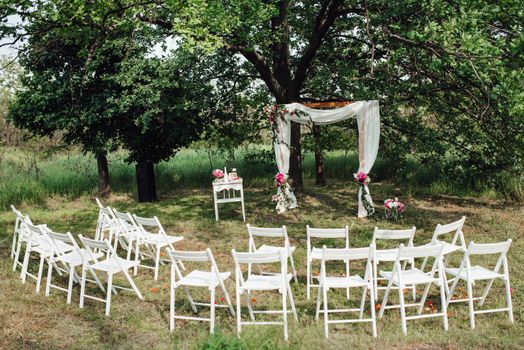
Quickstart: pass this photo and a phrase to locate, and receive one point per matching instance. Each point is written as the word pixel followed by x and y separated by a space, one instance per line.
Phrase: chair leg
pixel 133 285
pixel 326 330
pixel 402 309
pixel 470 303
pixel 444 306
pixel 82 286
pixel 228 300
pixel 284 315
pixel 363 302
pixel 157 261
pixel 17 254
pixel 40 271
pixel 48 280
pixel 293 270
pixel 317 311
pixel 373 316
pixel 292 302
pixel 23 273
pixel 13 245
pixel 109 287
pixel 239 325
pixel 172 308
pixel 212 312
pixel 347 275
pixel 508 299
pixel 70 286
pixel 137 253
pixel 386 296
pixel 375 279
pixel 308 279
pixel 485 292
pixel 190 298
pixel 423 298
pixel 249 305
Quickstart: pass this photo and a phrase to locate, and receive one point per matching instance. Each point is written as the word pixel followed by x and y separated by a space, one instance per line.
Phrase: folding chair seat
pixel 471 274
pixel 389 255
pixel 263 282
pixel 401 278
pixel 327 282
pixel 111 265
pixel 197 278
pixel 274 233
pixel 157 240
pixel 69 260
pixel 315 254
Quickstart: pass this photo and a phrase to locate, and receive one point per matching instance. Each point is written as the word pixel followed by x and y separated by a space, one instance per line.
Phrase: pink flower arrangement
pixel 394 204
pixel 280 179
pixel 362 178
pixel 218 174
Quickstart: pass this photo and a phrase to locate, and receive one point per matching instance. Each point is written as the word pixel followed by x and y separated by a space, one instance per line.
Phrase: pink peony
pixel 280 179
pixel 218 174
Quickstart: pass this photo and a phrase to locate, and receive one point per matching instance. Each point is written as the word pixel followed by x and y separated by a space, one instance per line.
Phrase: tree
pixel 90 75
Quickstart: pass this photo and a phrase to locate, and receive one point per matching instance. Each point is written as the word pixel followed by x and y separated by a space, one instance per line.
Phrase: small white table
pixel 229 194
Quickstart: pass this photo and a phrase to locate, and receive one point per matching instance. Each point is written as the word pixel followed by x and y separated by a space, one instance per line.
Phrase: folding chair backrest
pixel 99 203
pixel 191 256
pixel 274 232
pixel 256 258
pixel 148 223
pixel 331 254
pixel 426 251
pixel 327 232
pixel 488 248
pixel 62 237
pixel 396 235
pixel 126 217
pixel 17 212
pixel 454 227
pixel 91 244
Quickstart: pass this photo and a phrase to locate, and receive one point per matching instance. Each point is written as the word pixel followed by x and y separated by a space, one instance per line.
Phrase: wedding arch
pixel 368 120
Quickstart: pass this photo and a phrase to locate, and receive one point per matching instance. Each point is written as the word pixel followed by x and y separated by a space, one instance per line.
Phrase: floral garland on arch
pixel 284 201
pixel 362 179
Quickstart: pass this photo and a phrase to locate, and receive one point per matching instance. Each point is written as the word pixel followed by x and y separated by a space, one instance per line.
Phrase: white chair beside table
pixel 364 282
pixel 197 278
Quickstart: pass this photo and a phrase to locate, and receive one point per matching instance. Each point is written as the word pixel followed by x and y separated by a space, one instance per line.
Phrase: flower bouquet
pixel 362 179
pixel 393 208
pixel 218 174
pixel 282 197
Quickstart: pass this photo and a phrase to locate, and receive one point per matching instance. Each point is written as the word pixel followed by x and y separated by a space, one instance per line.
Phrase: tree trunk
pixel 103 173
pixel 319 158
pixel 145 180
pixel 295 158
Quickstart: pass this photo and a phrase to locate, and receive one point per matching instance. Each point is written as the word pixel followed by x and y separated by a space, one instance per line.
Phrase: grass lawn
pixel 29 320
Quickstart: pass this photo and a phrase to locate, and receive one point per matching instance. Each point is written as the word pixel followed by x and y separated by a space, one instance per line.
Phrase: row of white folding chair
pixel 214 278
pixel 134 232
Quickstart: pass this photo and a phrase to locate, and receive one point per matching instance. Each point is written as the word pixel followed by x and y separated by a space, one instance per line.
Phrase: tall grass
pixel 74 174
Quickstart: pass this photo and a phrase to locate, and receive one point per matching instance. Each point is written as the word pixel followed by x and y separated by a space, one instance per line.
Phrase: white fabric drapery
pixel 368 119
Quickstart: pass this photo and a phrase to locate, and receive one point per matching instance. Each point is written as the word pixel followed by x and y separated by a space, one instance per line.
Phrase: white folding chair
pixel 263 282
pixel 390 255
pixel 111 265
pixel 157 240
pixel 106 222
pixel 274 233
pixel 197 278
pixel 471 274
pixel 402 278
pixel 130 237
pixel 69 260
pixel 314 253
pixel 37 242
pixel 328 282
